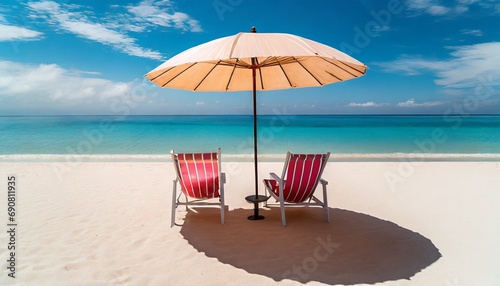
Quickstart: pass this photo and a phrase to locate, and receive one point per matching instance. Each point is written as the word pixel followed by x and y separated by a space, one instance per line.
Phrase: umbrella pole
pixel 255 199
pixel 255 131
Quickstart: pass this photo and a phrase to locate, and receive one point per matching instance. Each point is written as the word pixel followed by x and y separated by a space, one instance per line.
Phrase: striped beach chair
pixel 200 179
pixel 296 186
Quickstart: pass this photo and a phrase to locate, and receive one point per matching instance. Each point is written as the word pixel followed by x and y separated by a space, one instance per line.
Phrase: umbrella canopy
pixel 282 61
pixel 256 61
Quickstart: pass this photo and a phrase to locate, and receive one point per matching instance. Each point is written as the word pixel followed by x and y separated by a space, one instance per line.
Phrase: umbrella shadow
pixel 354 248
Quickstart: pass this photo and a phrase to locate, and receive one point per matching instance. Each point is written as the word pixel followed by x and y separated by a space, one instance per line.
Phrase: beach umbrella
pixel 256 61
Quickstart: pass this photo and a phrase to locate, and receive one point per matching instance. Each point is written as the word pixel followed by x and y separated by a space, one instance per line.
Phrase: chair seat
pixel 300 177
pixel 199 174
pixel 200 178
pixel 273 186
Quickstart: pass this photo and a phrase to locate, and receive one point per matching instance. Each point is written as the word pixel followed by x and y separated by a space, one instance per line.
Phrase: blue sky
pixel 89 57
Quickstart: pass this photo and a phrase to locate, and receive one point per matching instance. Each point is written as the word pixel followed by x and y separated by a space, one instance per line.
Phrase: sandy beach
pixel 393 223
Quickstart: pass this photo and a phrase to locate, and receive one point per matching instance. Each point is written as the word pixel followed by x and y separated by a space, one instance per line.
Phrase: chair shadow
pixel 354 248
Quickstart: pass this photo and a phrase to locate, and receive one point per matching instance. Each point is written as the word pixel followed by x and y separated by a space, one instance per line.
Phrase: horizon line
pixel 298 114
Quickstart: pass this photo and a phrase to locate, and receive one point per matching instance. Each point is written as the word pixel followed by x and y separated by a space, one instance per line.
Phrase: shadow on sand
pixel 354 248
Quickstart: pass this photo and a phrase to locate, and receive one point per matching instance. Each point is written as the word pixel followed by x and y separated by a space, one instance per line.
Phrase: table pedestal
pixel 256 200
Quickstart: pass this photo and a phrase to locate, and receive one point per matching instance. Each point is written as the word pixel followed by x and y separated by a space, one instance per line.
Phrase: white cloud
pixel 50 83
pixel 460 9
pixel 160 13
pixel 471 63
pixel 434 7
pixel 366 104
pixel 96 32
pixel 379 29
pixel 411 103
pixel 112 29
pixel 418 4
pixel 14 33
pixel 80 24
pixel 490 6
pixel 200 103
pixel 468 67
pixel 438 10
pixel 476 32
pixel 412 65
pixel 467 2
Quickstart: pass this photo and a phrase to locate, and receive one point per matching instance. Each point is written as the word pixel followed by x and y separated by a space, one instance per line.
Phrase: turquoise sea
pixel 341 134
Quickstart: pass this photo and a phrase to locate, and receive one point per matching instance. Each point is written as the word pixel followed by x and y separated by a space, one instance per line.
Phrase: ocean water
pixel 94 135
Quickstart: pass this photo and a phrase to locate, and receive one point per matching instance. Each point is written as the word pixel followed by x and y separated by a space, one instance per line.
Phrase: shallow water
pixel 93 135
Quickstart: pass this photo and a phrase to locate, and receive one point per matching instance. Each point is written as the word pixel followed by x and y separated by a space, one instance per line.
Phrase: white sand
pixel 104 223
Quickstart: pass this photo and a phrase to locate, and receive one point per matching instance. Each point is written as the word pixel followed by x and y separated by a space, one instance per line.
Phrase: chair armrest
pixel 223 177
pixel 323 181
pixel 275 177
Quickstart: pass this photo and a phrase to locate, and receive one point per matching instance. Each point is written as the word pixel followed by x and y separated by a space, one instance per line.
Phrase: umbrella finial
pixel 253 30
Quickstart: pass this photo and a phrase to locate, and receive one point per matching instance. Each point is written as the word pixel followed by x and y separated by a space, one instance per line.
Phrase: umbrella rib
pixel 283 70
pixel 165 71
pixel 261 81
pixel 264 63
pixel 237 64
pixel 233 45
pixel 260 73
pixel 334 76
pixel 284 60
pixel 306 44
pixel 333 63
pixel 361 72
pixel 230 77
pixel 201 81
pixel 320 83
pixel 178 75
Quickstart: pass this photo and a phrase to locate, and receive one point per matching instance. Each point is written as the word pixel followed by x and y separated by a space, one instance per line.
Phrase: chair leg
pixel 222 206
pixel 187 201
pixel 222 181
pixel 265 192
pixel 282 206
pixel 325 203
pixel 174 204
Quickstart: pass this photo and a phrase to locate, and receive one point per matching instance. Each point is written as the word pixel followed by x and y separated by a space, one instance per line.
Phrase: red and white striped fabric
pixel 302 177
pixel 199 175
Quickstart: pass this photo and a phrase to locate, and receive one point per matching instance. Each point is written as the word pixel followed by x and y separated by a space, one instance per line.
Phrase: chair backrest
pixel 303 172
pixel 198 174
